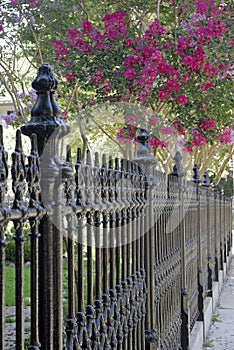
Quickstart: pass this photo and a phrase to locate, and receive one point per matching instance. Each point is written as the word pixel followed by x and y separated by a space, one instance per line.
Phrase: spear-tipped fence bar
pixel 143 248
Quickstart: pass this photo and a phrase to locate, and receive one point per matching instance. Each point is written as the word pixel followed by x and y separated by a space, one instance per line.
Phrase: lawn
pixel 10 285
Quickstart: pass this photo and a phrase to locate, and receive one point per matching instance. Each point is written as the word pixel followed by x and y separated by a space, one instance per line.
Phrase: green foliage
pixel 9 320
pixel 209 343
pixel 216 318
pixel 10 248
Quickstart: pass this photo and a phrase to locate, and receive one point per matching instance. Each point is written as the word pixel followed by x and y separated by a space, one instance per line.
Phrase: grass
pixel 216 318
pixel 9 320
pixel 10 285
pixel 209 343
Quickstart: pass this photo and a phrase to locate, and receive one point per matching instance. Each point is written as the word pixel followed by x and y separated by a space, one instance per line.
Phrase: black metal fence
pixel 143 248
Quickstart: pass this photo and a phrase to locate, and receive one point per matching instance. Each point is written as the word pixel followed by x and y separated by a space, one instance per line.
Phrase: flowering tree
pixel 184 76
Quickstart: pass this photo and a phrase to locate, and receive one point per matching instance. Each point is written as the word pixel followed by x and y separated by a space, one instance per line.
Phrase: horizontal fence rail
pixel 122 256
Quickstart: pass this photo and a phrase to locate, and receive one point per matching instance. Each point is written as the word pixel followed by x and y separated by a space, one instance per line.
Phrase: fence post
pixel 146 161
pixel 206 184
pixel 3 190
pixel 179 172
pixel 49 128
pixel 196 179
pixel 216 259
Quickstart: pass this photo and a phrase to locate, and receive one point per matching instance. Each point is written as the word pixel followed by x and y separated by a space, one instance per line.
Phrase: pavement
pixel 221 332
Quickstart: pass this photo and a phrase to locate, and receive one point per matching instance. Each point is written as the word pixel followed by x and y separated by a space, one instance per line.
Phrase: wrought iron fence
pixel 143 248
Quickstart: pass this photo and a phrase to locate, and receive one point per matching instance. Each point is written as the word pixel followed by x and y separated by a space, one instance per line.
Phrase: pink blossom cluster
pixel 207 124
pixel 98 77
pixel 199 139
pixel 226 137
pixel 132 120
pixel 208 85
pixel 61 50
pixel 115 25
pixel 145 72
pixel 179 127
pixel 32 3
pixel 155 142
pixel 126 134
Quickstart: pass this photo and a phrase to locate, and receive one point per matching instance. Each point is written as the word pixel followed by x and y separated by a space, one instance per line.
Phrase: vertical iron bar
pixel 123 222
pixel 71 327
pixel 33 178
pixel 57 268
pixel 112 234
pixel 3 191
pixel 18 186
pixel 118 220
pixel 105 224
pixel 79 190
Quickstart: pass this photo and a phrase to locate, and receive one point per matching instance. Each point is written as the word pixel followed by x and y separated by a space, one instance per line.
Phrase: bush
pixel 10 247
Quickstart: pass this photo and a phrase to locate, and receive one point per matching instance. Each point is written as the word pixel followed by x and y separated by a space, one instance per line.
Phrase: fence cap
pixel 144 156
pixel 178 169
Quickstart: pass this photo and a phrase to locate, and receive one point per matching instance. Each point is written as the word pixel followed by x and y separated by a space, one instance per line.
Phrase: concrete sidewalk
pixel 221 332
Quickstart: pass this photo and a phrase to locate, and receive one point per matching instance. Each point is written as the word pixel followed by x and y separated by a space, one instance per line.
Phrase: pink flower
pixel 164 144
pixel 130 74
pixel 113 35
pixel 168 45
pixel 87 27
pixel 187 149
pixel 154 142
pixel 34 3
pixel 153 121
pixel 126 134
pixel 164 68
pixel 132 120
pixel 1 27
pixel 227 137
pixel 98 77
pixel 182 100
pixel 149 72
pixel 222 6
pixel 167 130
pixel 70 77
pixel 207 124
pixel 156 29
pixel 61 50
pixel 207 86
pixel 187 78
pixel 100 45
pixel 64 113
pixel 202 106
pixel 107 87
pixel 179 127
pixel 192 63
pixel 129 42
pixel 130 61
pixel 210 70
pixel 73 35
pixel 198 139
pixel 182 46
pixel 162 94
pixel 173 85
